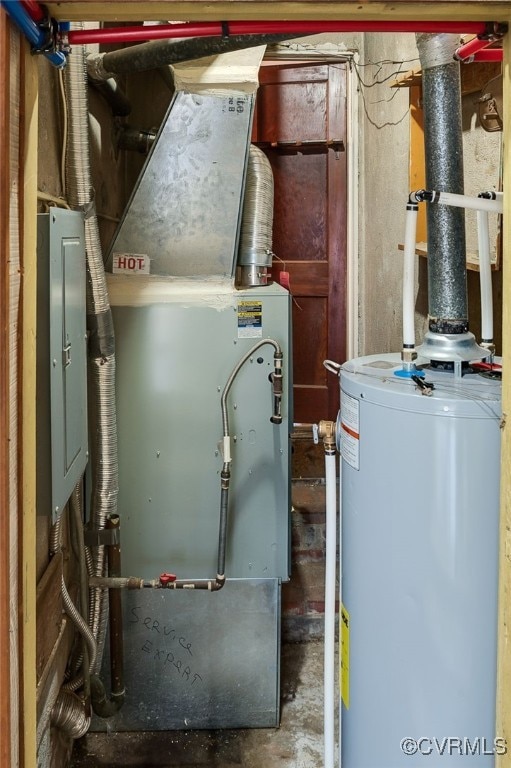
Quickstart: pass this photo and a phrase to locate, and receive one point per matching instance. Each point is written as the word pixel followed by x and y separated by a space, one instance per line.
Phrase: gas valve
pixel 167 578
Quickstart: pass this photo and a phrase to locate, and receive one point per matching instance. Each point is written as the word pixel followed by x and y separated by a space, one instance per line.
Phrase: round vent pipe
pixel 255 250
pixel 447 275
pixel 448 339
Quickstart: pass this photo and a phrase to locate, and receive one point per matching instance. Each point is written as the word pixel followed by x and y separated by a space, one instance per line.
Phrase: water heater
pixel 420 514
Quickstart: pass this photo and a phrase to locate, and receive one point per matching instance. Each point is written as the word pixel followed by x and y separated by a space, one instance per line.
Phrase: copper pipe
pixel 115 608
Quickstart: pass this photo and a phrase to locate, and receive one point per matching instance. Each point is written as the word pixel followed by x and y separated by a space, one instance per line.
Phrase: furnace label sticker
pixel 250 320
pixel 131 263
pixel 344 673
pixel 350 430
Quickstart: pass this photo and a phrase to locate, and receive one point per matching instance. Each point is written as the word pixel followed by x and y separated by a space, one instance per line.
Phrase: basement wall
pixel 384 186
pixel 384 168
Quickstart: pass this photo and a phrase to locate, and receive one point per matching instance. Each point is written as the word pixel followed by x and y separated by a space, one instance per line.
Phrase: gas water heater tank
pixel 420 512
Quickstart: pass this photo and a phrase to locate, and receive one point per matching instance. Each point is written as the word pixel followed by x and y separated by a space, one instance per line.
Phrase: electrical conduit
pixel 69 712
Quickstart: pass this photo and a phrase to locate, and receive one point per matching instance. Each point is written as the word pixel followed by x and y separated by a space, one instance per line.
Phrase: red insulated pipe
pixel 472 47
pixel 489 54
pixel 218 28
pixel 33 9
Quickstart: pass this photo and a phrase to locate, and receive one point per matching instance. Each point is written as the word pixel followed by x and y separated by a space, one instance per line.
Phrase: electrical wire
pixel 363 85
pixel 64 132
pixel 380 64
pixel 47 198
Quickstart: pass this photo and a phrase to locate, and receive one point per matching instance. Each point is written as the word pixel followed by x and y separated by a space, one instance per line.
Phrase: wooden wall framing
pixel 18 206
pixel 6 724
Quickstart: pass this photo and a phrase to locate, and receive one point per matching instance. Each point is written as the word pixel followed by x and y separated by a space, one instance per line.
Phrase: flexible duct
pixel 161 53
pixel 255 250
pixel 447 278
pixel 69 715
pixel 100 327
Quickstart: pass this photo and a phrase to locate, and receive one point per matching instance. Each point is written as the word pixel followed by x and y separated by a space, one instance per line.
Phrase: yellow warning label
pixel 344 675
pixel 250 319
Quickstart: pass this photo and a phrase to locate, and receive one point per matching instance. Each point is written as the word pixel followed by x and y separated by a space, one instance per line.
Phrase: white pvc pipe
pixel 330 589
pixel 409 277
pixel 483 238
pixel 464 201
pixel 340 611
pixel 352 147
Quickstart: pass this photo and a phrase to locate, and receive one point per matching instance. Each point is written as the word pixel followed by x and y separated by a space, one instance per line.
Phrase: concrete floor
pixel 298 743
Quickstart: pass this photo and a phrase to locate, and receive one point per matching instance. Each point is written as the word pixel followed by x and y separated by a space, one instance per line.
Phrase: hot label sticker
pixel 133 263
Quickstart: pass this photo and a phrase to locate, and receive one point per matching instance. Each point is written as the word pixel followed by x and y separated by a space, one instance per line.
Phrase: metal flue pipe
pixel 255 249
pixel 161 53
pixel 447 277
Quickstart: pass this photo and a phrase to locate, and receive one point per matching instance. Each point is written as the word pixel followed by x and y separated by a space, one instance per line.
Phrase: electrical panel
pixel 61 358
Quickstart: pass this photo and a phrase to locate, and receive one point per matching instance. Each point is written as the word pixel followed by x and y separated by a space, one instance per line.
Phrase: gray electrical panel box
pixel 61 358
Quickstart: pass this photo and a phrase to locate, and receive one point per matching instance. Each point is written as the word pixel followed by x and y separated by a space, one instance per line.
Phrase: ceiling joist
pixel 211 10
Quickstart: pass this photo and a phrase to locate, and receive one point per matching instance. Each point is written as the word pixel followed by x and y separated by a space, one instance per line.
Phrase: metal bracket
pixel 49 27
pixel 104 537
pixel 66 356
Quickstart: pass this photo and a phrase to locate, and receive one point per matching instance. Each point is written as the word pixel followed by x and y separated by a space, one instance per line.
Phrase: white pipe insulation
pixel 330 590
